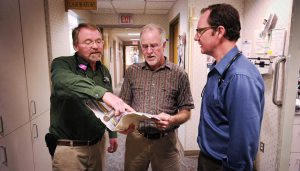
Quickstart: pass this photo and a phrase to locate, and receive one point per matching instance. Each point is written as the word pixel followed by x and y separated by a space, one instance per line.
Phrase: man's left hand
pixel 164 122
pixel 113 145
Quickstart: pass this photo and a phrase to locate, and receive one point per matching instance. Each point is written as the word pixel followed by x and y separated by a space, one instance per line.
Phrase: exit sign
pixel 126 19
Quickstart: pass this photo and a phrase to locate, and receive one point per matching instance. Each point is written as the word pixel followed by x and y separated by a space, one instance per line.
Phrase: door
pixel 174 37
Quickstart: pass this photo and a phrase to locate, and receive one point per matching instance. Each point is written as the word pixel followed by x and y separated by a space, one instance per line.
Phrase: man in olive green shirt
pixel 74 80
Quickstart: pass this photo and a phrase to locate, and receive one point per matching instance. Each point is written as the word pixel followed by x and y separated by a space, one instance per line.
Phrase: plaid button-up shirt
pixel 166 89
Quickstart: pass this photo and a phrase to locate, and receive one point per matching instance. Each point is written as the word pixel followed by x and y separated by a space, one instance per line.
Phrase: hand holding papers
pixel 117 123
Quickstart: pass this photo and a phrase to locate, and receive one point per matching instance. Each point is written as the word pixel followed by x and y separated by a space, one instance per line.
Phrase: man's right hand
pixel 118 105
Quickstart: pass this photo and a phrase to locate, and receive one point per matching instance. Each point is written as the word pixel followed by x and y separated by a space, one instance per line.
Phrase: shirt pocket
pixel 138 92
pixel 169 96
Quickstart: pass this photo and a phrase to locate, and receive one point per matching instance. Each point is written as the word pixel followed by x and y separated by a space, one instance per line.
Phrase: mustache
pixel 96 52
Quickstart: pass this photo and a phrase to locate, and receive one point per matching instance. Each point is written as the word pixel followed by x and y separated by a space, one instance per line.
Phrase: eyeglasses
pixel 153 46
pixel 201 31
pixel 90 43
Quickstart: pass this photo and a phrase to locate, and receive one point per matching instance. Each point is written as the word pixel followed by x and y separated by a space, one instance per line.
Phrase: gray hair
pixel 151 27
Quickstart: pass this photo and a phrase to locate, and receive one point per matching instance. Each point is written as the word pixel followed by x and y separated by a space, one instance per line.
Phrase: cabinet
pixel 13 101
pixel 295 148
pixel 25 86
pixel 35 55
pixel 18 149
pixel 39 127
pixel 294 162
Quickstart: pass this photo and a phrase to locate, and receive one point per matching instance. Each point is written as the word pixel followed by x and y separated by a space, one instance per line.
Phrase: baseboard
pixel 191 153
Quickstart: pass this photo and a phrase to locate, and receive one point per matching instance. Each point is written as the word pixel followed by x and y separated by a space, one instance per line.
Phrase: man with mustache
pixel 75 79
pixel 160 88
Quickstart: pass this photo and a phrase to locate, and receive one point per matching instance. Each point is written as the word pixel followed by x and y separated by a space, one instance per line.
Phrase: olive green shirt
pixel 73 82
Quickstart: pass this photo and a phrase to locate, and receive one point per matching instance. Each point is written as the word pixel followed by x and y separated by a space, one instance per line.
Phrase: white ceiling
pixel 122 33
pixel 134 6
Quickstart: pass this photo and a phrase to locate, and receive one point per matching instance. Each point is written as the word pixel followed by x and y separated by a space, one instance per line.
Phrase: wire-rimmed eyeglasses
pixel 92 42
pixel 201 31
pixel 152 46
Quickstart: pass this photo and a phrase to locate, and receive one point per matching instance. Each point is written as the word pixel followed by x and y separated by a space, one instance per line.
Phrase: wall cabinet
pixel 294 162
pixel 25 86
pixel 18 148
pixel 14 100
pixel 41 156
pixel 35 53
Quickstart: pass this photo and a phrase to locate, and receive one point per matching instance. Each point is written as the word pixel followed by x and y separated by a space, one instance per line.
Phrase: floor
pixel 115 161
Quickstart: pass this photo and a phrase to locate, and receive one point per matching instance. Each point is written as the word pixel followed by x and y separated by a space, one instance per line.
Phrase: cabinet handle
pixel 1 126
pixel 3 153
pixel 33 107
pixel 275 85
pixel 35 131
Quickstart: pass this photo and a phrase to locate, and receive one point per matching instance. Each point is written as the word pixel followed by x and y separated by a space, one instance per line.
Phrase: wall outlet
pixel 262 146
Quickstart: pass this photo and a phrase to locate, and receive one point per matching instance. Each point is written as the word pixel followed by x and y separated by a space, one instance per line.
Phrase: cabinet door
pixel 294 162
pixel 13 101
pixel 19 149
pixel 36 57
pixel 3 156
pixel 39 127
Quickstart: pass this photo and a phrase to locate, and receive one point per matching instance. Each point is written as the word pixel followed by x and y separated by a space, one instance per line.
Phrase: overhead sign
pixel 81 4
pixel 126 19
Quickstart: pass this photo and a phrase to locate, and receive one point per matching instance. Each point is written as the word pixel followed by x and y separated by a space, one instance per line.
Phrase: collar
pixel 221 66
pixel 167 65
pixel 80 60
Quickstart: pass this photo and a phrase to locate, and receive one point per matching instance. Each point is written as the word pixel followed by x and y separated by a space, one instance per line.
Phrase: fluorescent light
pixel 133 34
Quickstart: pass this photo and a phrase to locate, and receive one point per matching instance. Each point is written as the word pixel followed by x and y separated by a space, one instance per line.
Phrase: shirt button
pixel 152 97
pixel 153 84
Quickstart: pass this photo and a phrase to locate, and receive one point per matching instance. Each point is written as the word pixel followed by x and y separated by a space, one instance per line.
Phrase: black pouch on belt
pixel 51 141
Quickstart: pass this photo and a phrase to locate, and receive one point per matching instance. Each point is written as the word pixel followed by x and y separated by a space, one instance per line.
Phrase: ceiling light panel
pixel 159 5
pixel 104 4
pixel 105 11
pixel 130 11
pixel 124 4
pixel 156 11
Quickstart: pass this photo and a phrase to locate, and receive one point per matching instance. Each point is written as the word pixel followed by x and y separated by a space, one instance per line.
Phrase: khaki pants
pixel 103 149
pixel 68 158
pixel 162 153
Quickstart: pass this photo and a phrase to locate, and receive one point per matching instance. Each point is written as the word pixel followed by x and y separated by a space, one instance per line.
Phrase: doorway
pixel 174 35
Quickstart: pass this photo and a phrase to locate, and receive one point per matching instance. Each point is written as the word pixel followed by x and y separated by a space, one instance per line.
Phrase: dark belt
pixel 76 142
pixel 216 161
pixel 155 136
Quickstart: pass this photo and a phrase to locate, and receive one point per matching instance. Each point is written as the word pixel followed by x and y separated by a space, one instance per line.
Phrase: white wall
pixel 57 29
pixel 255 12
pixel 185 130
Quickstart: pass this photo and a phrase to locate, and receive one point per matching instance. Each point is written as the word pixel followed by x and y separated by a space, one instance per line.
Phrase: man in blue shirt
pixel 233 98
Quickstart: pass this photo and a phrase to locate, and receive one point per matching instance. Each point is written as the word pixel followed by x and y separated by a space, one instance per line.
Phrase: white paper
pixel 119 123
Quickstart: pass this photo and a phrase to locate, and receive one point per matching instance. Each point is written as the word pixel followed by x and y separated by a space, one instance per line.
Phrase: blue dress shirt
pixel 231 113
